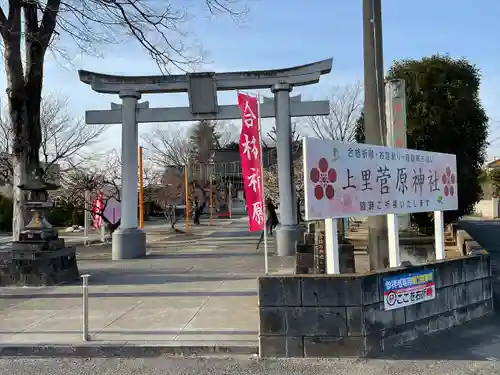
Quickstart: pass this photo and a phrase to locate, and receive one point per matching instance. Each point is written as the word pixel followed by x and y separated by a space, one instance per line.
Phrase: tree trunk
pixel 24 89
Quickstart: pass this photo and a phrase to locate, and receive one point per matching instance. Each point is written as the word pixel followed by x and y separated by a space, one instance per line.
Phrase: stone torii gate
pixel 128 240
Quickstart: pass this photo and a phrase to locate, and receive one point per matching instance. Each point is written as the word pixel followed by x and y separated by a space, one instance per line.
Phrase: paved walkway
pixel 201 290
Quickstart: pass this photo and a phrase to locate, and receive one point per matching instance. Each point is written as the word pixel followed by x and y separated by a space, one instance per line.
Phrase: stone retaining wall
pixel 343 315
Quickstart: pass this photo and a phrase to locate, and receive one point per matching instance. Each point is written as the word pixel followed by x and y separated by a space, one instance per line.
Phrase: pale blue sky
pixel 283 33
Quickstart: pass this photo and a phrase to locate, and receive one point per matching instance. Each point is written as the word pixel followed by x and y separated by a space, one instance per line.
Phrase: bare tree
pixel 272 137
pixel 65 140
pixel 171 193
pixel 104 178
pixel 95 180
pixel 227 133
pixel 345 109
pixel 152 178
pixel 30 28
pixel 168 147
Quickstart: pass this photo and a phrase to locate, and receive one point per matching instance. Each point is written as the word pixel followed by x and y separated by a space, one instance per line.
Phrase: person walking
pixel 272 217
pixel 271 220
pixel 196 213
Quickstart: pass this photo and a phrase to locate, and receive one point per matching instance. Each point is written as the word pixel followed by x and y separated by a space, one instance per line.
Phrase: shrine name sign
pixel 354 179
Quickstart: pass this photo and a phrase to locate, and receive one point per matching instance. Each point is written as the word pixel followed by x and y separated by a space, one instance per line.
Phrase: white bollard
pixel 85 295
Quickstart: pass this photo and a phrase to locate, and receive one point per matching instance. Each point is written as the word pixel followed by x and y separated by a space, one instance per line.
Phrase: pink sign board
pixel 354 179
pixel 112 211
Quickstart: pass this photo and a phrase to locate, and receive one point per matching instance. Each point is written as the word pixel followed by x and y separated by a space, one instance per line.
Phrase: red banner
pixel 251 161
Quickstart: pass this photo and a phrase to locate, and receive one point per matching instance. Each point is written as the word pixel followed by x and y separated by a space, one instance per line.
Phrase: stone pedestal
pixel 38 268
pixel 128 243
pixel 39 257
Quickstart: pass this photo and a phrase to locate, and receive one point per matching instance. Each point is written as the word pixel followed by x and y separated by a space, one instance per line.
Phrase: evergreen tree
pixel 444 114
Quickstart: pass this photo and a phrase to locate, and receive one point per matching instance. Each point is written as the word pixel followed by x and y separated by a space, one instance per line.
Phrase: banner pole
pixel 211 200
pixel 141 191
pixel 187 197
pixel 266 254
pixel 86 216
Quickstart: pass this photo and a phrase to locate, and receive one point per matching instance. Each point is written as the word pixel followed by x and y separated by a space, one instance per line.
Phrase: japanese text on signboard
pixel 251 161
pixel 408 289
pixel 344 179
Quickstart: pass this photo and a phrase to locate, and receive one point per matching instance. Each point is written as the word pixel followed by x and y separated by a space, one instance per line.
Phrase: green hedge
pixel 64 217
pixel 5 214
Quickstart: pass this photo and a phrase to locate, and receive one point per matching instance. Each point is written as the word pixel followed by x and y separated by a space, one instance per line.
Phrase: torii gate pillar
pixel 288 232
pixel 128 240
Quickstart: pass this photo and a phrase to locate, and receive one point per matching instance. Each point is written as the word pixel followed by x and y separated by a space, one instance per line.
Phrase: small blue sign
pixel 408 289
pixel 408 280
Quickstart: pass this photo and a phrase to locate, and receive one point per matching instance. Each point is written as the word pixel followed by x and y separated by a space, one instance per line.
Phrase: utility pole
pixel 374 113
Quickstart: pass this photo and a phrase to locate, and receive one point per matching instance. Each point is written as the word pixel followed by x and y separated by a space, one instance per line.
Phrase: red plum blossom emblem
pixel 323 177
pixel 449 180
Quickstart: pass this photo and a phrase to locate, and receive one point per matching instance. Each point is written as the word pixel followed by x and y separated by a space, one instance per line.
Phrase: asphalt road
pixel 486 232
pixel 241 366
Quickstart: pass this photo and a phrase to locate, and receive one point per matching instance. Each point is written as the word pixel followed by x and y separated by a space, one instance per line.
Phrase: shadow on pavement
pixel 198 255
pixel 240 233
pixel 477 340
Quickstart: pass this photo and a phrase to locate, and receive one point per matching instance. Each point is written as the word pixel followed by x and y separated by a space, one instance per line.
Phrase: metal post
pixel 186 181
pixel 102 232
pixel 85 304
pixel 374 112
pixel 230 203
pixel 211 200
pixel 86 218
pixel 266 249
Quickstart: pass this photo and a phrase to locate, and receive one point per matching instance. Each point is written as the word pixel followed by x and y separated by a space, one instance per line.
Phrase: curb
pixel 80 241
pixel 124 350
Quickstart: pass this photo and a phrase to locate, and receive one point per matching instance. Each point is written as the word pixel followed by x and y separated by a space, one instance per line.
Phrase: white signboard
pixel 354 179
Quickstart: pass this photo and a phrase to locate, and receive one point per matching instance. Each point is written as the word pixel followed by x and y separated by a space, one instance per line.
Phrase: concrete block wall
pixel 487 208
pixel 343 315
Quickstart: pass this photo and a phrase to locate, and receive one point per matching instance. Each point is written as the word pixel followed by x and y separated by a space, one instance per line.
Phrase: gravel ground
pixel 242 366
